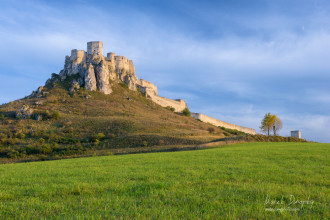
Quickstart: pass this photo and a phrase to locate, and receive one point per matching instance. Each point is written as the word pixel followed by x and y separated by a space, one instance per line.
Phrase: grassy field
pixel 231 182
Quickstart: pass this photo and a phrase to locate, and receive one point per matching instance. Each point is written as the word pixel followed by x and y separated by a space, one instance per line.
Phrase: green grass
pixel 231 182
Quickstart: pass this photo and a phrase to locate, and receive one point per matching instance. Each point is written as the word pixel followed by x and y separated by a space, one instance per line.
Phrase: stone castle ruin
pixel 99 73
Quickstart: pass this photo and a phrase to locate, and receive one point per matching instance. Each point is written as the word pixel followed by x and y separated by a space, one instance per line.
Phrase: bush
pixel 145 143
pixel 2 116
pixel 124 85
pixel 20 135
pixel 170 108
pixel 45 149
pixel 55 115
pixel 186 112
pixel 226 134
pixel 97 137
pixel 41 141
pixel 30 149
pixel 96 142
pixel 100 136
pixel 211 130
pixel 13 154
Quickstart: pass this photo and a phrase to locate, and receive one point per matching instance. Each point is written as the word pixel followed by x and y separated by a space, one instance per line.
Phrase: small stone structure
pixel 296 134
pixel 217 122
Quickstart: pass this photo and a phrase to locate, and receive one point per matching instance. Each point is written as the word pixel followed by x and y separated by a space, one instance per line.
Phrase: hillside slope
pixel 81 122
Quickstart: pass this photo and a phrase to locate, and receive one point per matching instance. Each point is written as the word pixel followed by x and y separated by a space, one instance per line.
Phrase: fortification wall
pixel 147 88
pixel 122 64
pixel 131 67
pixel 179 105
pixel 217 122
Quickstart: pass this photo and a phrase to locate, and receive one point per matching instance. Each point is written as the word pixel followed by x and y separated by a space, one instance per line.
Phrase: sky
pixel 233 60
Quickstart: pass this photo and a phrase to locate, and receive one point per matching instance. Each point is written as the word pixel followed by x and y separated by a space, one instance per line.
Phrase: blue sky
pixel 234 60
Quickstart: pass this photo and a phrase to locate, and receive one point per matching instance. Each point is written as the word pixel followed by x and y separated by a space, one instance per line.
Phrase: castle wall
pixel 131 66
pixel 95 47
pixel 179 105
pixel 147 87
pixel 122 64
pixel 217 122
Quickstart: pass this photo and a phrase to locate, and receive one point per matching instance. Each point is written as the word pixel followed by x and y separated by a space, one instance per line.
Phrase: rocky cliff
pixel 97 72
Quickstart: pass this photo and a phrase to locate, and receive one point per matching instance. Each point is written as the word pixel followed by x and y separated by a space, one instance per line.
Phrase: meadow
pixel 239 181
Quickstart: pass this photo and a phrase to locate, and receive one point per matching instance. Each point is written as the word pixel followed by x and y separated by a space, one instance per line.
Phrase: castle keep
pixel 99 73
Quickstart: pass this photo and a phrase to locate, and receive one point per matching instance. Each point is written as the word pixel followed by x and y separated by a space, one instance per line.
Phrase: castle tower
pixel 95 47
pixel 111 55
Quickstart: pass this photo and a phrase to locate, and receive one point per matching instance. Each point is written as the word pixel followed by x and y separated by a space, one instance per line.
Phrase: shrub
pixel 45 149
pixel 186 112
pixel 41 141
pixel 20 135
pixel 30 149
pixel 96 142
pixel 170 108
pixel 124 85
pixel 97 137
pixel 13 154
pixel 145 143
pixel 211 130
pixel 56 115
pixel 100 136
pixel 2 116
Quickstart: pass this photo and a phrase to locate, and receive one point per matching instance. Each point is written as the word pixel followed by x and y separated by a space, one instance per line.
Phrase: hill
pixel 231 182
pixel 86 122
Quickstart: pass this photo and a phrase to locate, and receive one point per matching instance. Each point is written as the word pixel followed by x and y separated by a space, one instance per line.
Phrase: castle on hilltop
pixel 97 72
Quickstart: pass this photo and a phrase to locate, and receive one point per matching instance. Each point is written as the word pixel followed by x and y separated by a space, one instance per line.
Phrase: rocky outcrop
pixel 24 112
pixel 90 79
pixel 75 86
pixel 103 77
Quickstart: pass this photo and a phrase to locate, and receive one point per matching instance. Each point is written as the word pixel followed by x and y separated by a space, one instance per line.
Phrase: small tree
pixel 276 124
pixel 266 123
pixel 270 123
